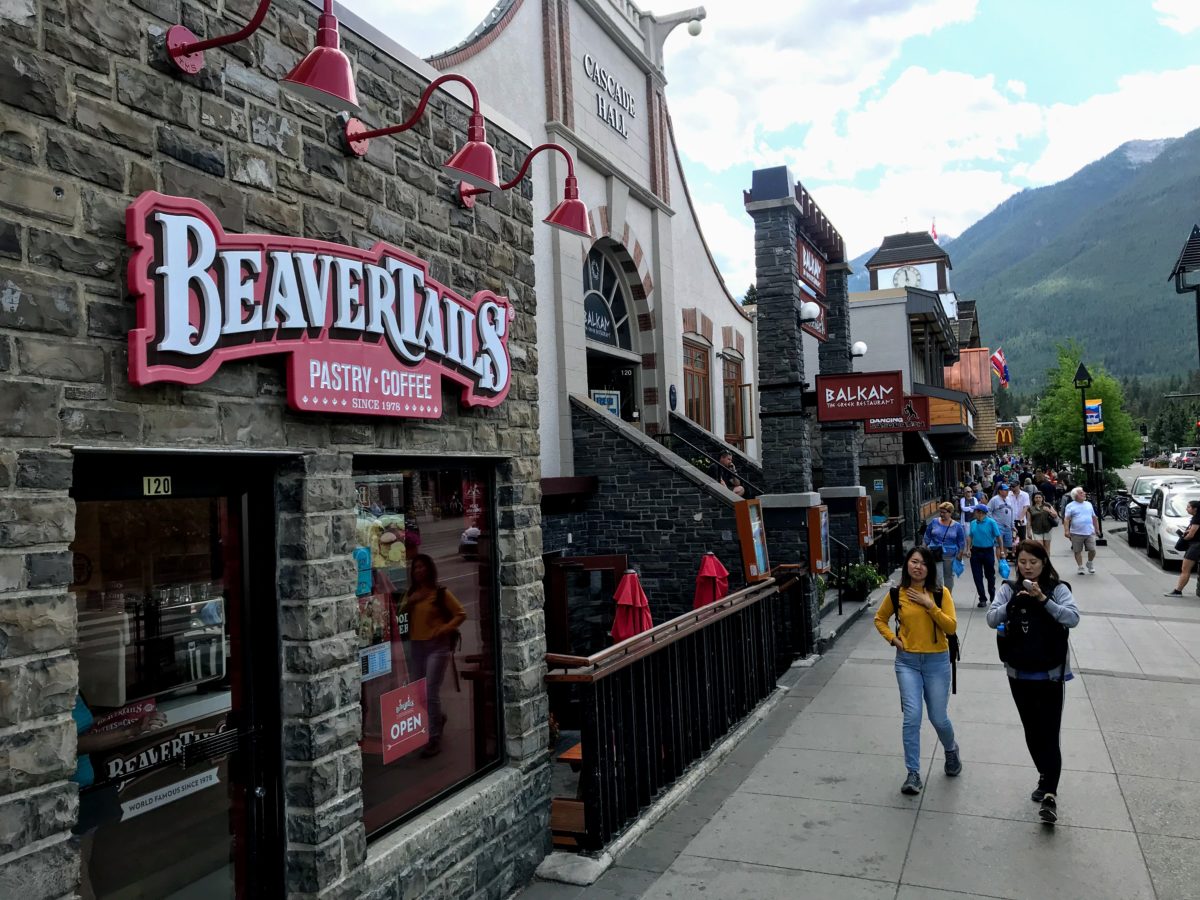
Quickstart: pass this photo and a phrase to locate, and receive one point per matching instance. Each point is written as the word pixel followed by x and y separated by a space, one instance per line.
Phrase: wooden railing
pixel 654 704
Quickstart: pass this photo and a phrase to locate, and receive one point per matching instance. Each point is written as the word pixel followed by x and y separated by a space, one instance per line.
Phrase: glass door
pixel 171 763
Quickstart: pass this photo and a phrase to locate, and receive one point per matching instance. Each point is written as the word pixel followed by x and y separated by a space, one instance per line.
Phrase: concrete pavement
pixel 809 803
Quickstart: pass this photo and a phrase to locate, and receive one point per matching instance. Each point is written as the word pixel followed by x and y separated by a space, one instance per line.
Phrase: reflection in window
pixel 427 655
pixel 606 311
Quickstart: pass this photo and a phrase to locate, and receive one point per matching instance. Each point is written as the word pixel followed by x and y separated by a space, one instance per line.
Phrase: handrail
pixel 612 659
pixel 662 436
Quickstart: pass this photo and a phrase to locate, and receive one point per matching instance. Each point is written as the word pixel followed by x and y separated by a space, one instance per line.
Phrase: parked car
pixel 1139 498
pixel 1178 455
pixel 1166 516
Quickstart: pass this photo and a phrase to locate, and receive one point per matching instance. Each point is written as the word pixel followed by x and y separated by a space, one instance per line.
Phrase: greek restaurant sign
pixel 613 100
pixel 365 332
pixel 865 395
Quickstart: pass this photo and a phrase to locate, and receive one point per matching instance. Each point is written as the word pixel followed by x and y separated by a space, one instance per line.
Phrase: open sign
pixel 405 719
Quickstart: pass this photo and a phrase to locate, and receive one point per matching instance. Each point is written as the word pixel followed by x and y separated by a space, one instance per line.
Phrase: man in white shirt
pixel 1080 525
pixel 1002 509
pixel 1020 501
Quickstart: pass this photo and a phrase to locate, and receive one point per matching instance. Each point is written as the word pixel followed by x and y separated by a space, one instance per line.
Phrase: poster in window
pixel 598 324
pixel 818 540
pixel 752 536
pixel 610 400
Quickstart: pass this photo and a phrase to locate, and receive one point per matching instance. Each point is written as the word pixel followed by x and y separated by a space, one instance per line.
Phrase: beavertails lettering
pixel 365 331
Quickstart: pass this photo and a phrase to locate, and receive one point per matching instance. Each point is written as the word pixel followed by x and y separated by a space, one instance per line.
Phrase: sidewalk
pixel 809 803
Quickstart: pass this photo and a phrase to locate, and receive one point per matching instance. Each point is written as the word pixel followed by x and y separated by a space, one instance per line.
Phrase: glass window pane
pixel 426 623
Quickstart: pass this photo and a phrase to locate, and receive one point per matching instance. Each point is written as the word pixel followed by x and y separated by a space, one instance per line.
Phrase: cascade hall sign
pixel 365 332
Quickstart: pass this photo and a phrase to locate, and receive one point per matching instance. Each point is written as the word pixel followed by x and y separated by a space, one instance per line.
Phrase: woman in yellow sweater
pixel 434 617
pixel 922 658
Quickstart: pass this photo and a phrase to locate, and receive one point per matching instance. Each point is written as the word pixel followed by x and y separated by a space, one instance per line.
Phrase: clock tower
pixel 912 259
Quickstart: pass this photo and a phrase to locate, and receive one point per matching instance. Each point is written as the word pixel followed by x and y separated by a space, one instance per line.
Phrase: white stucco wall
pixel 883 324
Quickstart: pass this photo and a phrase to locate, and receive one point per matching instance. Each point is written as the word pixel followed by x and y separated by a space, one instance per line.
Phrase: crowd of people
pixel 1010 502
pixel 1009 514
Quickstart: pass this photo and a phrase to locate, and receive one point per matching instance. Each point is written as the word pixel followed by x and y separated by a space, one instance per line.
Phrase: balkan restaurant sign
pixel 365 332
pixel 860 396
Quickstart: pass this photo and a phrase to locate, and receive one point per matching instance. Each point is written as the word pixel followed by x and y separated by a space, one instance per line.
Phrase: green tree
pixel 1056 431
pixel 751 295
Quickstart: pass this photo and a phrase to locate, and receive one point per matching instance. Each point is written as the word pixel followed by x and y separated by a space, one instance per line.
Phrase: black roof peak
pixel 907 246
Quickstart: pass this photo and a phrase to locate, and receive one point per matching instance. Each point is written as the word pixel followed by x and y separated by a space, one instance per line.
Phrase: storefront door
pixel 178 720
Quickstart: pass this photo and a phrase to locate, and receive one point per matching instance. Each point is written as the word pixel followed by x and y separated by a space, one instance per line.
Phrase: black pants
pixel 1040 704
pixel 983 562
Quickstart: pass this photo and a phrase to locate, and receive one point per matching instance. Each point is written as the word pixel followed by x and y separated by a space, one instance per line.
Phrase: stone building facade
pixel 92 116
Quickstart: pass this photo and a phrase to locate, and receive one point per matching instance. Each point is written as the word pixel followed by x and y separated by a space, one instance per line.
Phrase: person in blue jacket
pixel 984 543
pixel 948 536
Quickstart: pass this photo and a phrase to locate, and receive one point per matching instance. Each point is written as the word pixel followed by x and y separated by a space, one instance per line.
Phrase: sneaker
pixel 982 603
pixel 953 762
pixel 1039 793
pixel 1082 570
pixel 912 784
pixel 1091 569
pixel 1173 594
pixel 1049 810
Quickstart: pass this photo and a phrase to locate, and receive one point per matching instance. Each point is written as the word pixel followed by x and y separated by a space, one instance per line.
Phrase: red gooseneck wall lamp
pixel 570 215
pixel 475 161
pixel 323 76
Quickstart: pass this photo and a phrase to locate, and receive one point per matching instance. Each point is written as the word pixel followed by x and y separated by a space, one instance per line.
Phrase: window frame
pixel 374 464
pixel 705 376
pixel 626 323
pixel 731 388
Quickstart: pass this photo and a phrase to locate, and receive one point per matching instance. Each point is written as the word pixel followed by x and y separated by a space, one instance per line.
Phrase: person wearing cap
pixel 984 541
pixel 1003 508
pixel 945 536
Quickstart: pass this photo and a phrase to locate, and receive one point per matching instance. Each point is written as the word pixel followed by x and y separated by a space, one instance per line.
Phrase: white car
pixel 1166 516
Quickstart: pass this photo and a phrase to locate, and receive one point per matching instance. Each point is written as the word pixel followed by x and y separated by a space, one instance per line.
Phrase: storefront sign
pixel 598 324
pixel 818 540
pixel 405 720
pixel 812 266
pixel 127 715
pixel 169 794
pixel 1004 436
pixel 866 528
pixel 863 395
pixel 610 400
pixel 1094 412
pixel 165 749
pixel 913 417
pixel 820 328
pixel 613 101
pixel 366 332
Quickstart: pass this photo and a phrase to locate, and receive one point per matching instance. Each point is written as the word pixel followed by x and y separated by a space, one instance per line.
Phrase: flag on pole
pixel 933 230
pixel 1000 366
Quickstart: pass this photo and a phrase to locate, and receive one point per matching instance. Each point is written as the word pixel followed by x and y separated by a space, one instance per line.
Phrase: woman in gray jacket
pixel 1033 613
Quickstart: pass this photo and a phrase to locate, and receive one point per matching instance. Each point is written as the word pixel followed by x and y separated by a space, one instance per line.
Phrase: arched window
pixel 605 309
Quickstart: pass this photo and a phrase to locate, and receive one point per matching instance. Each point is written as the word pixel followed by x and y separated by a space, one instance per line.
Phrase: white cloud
pixel 423 26
pixel 1178 15
pixel 730 236
pixel 1015 87
pixel 1142 108
pixel 760 67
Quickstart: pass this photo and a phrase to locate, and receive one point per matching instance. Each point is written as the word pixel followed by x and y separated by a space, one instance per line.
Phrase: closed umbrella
pixel 713 581
pixel 633 609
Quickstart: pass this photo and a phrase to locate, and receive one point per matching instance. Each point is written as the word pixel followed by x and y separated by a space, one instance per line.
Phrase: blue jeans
pixel 924 676
pixel 430 659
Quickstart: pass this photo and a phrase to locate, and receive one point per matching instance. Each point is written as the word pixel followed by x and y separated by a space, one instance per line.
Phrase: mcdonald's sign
pixel 1004 436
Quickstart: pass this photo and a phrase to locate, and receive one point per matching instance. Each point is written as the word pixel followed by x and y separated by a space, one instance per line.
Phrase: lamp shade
pixel 325 76
pixel 475 161
pixel 572 213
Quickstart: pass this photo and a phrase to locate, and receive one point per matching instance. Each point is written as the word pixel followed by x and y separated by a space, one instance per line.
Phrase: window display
pixel 424 580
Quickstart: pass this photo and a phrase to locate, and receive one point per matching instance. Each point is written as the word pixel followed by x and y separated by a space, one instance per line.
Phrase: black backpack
pixel 955 653
pixel 1033 641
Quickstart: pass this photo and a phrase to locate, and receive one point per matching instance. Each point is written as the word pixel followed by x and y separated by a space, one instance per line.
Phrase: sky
pixel 894 114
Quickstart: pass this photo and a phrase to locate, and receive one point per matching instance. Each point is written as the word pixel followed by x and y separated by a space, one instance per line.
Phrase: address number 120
pixel 156 486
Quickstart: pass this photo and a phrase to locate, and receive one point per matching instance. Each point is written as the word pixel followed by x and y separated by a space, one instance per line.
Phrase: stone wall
pixel 651 505
pixel 91 116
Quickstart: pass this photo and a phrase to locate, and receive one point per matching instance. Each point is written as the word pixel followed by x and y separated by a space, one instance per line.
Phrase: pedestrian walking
pixel 1003 509
pixel 947 541
pixel 1021 501
pixel 1080 525
pixel 984 544
pixel 1034 613
pixel 925 619
pixel 1192 553
pixel 1042 520
pixel 966 505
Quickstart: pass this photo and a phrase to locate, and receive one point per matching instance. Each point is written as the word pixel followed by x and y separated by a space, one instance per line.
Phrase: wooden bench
pixel 573 756
pixel 567 823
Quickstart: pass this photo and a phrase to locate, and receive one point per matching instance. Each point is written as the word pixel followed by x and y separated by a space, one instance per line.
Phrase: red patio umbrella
pixel 633 609
pixel 713 581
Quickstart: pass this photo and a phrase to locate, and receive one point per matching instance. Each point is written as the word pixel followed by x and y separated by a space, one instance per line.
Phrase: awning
pixel 917 448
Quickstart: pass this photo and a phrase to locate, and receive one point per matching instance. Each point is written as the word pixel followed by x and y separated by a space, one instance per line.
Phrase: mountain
pixel 1088 258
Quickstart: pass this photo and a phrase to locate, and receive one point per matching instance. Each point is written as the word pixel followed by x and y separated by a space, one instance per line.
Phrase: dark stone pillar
pixel 786 431
pixel 839 440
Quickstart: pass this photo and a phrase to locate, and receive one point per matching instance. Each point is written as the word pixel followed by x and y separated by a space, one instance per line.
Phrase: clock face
pixel 908 276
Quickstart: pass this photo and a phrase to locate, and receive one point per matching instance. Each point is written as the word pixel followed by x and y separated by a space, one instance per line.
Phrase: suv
pixel 1177 458
pixel 1139 498
pixel 1187 459
pixel 1166 516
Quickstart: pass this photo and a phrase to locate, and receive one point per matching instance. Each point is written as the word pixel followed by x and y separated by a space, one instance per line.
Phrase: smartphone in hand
pixel 1028 584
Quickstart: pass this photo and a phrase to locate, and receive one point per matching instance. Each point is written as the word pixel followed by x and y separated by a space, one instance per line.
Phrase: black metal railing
pixel 654 704
pixel 669 440
pixel 887 549
pixel 839 565
pixel 793 616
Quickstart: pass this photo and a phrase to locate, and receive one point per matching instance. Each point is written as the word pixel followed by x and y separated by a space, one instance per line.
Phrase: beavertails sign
pixel 865 395
pixel 365 332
